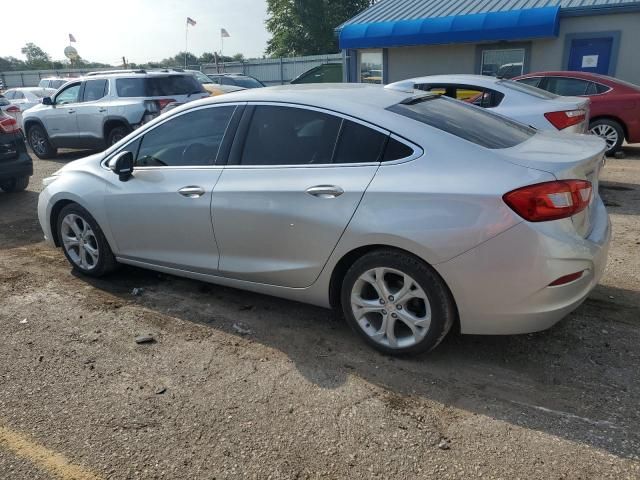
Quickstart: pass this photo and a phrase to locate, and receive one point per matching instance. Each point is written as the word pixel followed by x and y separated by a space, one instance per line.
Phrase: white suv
pixel 97 111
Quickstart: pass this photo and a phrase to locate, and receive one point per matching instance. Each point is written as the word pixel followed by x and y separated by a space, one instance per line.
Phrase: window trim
pixel 241 137
pixel 143 131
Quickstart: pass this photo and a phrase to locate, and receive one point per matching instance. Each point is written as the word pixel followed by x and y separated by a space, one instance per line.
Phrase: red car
pixel 615 104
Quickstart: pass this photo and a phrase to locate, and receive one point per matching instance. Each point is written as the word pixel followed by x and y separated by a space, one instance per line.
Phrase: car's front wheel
pixel 610 131
pixel 397 303
pixel 39 143
pixel 15 184
pixel 83 242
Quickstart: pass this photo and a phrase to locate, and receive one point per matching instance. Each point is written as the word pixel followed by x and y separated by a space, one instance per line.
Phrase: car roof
pixel 225 74
pixel 133 75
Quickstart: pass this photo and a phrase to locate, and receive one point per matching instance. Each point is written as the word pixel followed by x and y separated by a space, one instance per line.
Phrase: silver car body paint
pixel 444 204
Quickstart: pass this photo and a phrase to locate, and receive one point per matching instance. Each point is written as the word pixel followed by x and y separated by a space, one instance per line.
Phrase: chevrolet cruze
pixel 406 211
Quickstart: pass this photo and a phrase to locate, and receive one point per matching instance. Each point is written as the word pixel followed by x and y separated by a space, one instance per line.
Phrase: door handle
pixel 101 110
pixel 325 191
pixel 71 111
pixel 191 192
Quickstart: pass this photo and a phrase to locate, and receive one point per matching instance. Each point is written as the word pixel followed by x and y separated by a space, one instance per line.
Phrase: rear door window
pixel 290 136
pixel 570 87
pixel 94 90
pixel 359 144
pixel 465 121
pixel 191 139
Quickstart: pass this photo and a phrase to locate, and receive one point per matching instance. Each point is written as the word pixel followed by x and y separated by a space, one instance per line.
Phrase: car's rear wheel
pixel 39 143
pixel 609 130
pixel 397 303
pixel 83 242
pixel 15 184
pixel 116 134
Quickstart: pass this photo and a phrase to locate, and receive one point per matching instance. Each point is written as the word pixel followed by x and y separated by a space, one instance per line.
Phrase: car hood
pixel 82 163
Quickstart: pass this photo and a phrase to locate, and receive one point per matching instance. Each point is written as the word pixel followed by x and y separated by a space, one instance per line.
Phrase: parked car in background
pixel 528 105
pixel 212 87
pixel 615 104
pixel 326 73
pixel 23 98
pixel 406 211
pixel 97 111
pixel 236 80
pixel 52 82
pixel 15 163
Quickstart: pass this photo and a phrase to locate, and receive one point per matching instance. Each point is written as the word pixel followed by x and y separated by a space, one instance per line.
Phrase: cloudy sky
pixel 141 30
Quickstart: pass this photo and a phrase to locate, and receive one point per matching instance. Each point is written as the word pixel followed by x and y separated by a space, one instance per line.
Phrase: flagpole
pixel 186 43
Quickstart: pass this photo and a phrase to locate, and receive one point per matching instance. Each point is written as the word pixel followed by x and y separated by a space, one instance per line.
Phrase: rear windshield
pixel 247 82
pixel 164 86
pixel 528 89
pixel 466 121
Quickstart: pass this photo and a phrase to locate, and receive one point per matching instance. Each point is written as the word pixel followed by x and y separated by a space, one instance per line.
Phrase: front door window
pixel 68 95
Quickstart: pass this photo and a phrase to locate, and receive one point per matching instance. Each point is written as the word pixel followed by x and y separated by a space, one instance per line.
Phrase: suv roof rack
pixel 114 72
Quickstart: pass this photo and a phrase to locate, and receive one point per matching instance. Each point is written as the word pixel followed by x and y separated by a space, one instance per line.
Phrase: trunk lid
pixel 566 157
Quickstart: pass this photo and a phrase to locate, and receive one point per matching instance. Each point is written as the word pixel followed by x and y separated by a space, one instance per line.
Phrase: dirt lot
pixel 300 396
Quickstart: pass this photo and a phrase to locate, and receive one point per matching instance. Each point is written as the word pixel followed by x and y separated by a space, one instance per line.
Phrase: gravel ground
pixel 299 396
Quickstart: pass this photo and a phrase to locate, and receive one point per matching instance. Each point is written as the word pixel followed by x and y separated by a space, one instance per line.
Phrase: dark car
pixel 615 104
pixel 236 80
pixel 326 73
pixel 15 163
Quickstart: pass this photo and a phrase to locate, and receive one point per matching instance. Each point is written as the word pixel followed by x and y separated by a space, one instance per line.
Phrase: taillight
pixel 9 125
pixel 550 200
pixel 13 109
pixel 562 120
pixel 156 106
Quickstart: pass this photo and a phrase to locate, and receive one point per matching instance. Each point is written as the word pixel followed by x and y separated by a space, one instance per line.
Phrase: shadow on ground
pixel 577 381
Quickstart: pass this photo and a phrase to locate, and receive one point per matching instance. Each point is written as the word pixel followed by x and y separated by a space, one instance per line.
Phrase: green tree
pixel 307 27
pixel 36 57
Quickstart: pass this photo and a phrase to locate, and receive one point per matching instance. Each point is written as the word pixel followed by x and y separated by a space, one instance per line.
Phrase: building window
pixel 506 63
pixel 371 66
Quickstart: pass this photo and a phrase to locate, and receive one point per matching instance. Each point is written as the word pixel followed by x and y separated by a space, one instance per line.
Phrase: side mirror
pixel 47 101
pixel 122 165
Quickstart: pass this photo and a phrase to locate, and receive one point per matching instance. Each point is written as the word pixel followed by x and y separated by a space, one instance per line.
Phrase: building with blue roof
pixel 398 39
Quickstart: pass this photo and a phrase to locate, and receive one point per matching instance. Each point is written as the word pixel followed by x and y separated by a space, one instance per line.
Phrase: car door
pixel 60 118
pixel 162 215
pixel 295 178
pixel 91 112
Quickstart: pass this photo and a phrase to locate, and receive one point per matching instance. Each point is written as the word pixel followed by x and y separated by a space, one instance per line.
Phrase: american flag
pixel 72 38
pixel 191 21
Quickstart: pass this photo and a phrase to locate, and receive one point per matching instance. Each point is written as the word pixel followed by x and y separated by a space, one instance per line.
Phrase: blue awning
pixel 478 27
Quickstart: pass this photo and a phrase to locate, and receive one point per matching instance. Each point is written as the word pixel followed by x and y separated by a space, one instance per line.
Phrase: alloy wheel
pixel 38 142
pixel 80 241
pixel 391 307
pixel 608 133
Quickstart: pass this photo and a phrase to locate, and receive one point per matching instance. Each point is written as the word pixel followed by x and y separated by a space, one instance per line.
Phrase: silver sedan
pixel 408 212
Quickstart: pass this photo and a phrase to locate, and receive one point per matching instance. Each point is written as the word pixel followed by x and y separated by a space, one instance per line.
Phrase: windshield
pixel 465 121
pixel 160 86
pixel 528 89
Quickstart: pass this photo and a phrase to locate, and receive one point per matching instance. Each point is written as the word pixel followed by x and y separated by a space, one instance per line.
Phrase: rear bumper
pixel 502 286
pixel 22 166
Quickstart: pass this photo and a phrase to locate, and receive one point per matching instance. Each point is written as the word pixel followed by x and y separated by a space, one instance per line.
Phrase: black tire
pixel 116 134
pixel 443 310
pixel 602 126
pixel 106 261
pixel 39 142
pixel 15 184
